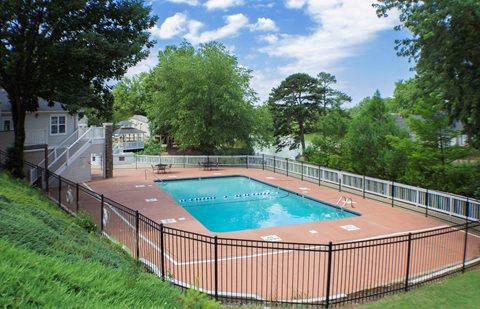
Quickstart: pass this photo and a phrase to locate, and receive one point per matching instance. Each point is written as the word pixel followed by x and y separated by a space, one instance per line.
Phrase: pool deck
pixel 136 188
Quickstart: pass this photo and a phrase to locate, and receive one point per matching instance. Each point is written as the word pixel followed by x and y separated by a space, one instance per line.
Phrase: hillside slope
pixel 48 258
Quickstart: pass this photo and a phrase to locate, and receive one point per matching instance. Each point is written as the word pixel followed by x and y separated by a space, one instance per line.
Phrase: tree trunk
pixel 15 160
pixel 302 136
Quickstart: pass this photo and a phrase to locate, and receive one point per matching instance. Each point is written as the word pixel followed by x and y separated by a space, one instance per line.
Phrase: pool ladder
pixel 345 201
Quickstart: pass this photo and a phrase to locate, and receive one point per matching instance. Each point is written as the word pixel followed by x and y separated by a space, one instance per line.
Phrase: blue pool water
pixel 227 204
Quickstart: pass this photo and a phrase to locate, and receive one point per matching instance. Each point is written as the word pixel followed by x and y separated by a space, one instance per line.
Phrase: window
pixel 58 125
pixel 6 125
pixel 121 159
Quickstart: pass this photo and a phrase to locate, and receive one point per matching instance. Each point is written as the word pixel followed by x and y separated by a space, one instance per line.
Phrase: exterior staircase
pixel 66 156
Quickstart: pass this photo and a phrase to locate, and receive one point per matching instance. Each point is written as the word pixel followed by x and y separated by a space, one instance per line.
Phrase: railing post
pixel 363 183
pixel 77 195
pixel 409 253
pixel 162 253
pixel 59 190
pixel 246 161
pixel 263 161
pixel 426 203
pixel 329 274
pixel 102 206
pixel 274 164
pixel 286 159
pixel 302 169
pixel 137 236
pixel 393 192
pixel 216 266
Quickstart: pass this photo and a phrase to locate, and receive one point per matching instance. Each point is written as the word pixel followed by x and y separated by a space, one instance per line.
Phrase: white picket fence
pixel 446 203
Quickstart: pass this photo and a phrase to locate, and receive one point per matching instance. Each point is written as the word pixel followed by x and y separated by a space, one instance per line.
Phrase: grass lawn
pixel 50 259
pixel 459 291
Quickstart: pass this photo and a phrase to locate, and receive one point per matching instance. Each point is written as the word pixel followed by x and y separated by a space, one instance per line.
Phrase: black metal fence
pixel 272 272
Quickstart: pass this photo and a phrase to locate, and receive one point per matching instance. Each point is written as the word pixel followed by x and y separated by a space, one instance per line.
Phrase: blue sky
pixel 278 38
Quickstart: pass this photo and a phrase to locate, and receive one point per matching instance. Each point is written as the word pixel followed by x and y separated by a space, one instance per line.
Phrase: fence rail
pixel 281 272
pixel 424 200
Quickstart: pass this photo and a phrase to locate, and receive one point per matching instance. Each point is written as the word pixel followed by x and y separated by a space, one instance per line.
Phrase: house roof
pixel 5 105
pixel 129 130
pixel 124 123
pixel 140 118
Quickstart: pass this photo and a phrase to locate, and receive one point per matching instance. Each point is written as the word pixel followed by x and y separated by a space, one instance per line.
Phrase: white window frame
pixel 58 125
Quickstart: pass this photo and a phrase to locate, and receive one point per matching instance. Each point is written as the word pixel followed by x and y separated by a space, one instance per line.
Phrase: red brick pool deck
pixel 284 272
pixel 132 187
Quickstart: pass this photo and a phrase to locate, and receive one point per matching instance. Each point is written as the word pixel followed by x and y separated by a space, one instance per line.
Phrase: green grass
pixel 47 259
pixel 460 291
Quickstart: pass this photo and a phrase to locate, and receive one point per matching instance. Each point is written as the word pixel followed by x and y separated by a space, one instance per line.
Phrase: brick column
pixel 108 151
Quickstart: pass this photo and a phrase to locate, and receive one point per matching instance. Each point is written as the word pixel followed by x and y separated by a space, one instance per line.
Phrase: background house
pixel 69 143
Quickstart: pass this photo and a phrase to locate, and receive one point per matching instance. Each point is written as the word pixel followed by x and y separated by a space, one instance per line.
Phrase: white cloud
pixel 233 24
pixel 264 24
pixel 295 4
pixel 269 38
pixel 171 27
pixel 341 26
pixel 145 65
pixel 222 4
pixel 189 2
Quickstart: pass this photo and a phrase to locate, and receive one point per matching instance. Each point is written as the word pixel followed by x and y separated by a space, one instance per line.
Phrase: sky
pixel 276 38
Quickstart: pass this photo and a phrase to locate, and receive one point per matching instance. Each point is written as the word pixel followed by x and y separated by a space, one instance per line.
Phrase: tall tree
pixel 298 102
pixel 131 96
pixel 66 50
pixel 203 96
pixel 366 142
pixel 444 46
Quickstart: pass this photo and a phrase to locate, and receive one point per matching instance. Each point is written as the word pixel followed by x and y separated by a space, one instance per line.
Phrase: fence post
pixel 319 175
pixel 47 185
pixel 393 193
pixel 465 247
pixel 467 210
pixel 137 238
pixel 426 203
pixel 329 275
pixel 135 156
pixel 162 253
pixel 363 182
pixel 216 266
pixel 59 190
pixel 77 195
pixel 339 182
pixel 102 203
pixel 286 159
pixel 302 170
pixel 263 161
pixel 274 164
pixel 184 161
pixel 409 253
pixel 246 161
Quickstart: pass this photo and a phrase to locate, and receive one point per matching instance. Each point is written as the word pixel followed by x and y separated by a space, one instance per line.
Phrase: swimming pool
pixel 235 203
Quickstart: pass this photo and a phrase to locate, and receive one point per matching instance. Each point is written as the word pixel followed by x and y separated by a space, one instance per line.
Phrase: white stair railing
pixel 52 156
pixel 71 152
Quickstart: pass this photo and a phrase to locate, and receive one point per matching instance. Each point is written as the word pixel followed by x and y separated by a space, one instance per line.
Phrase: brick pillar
pixel 108 151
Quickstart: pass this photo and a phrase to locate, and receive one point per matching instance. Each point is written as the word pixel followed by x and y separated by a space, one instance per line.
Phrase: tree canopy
pixel 66 51
pixel 444 47
pixel 298 102
pixel 202 95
